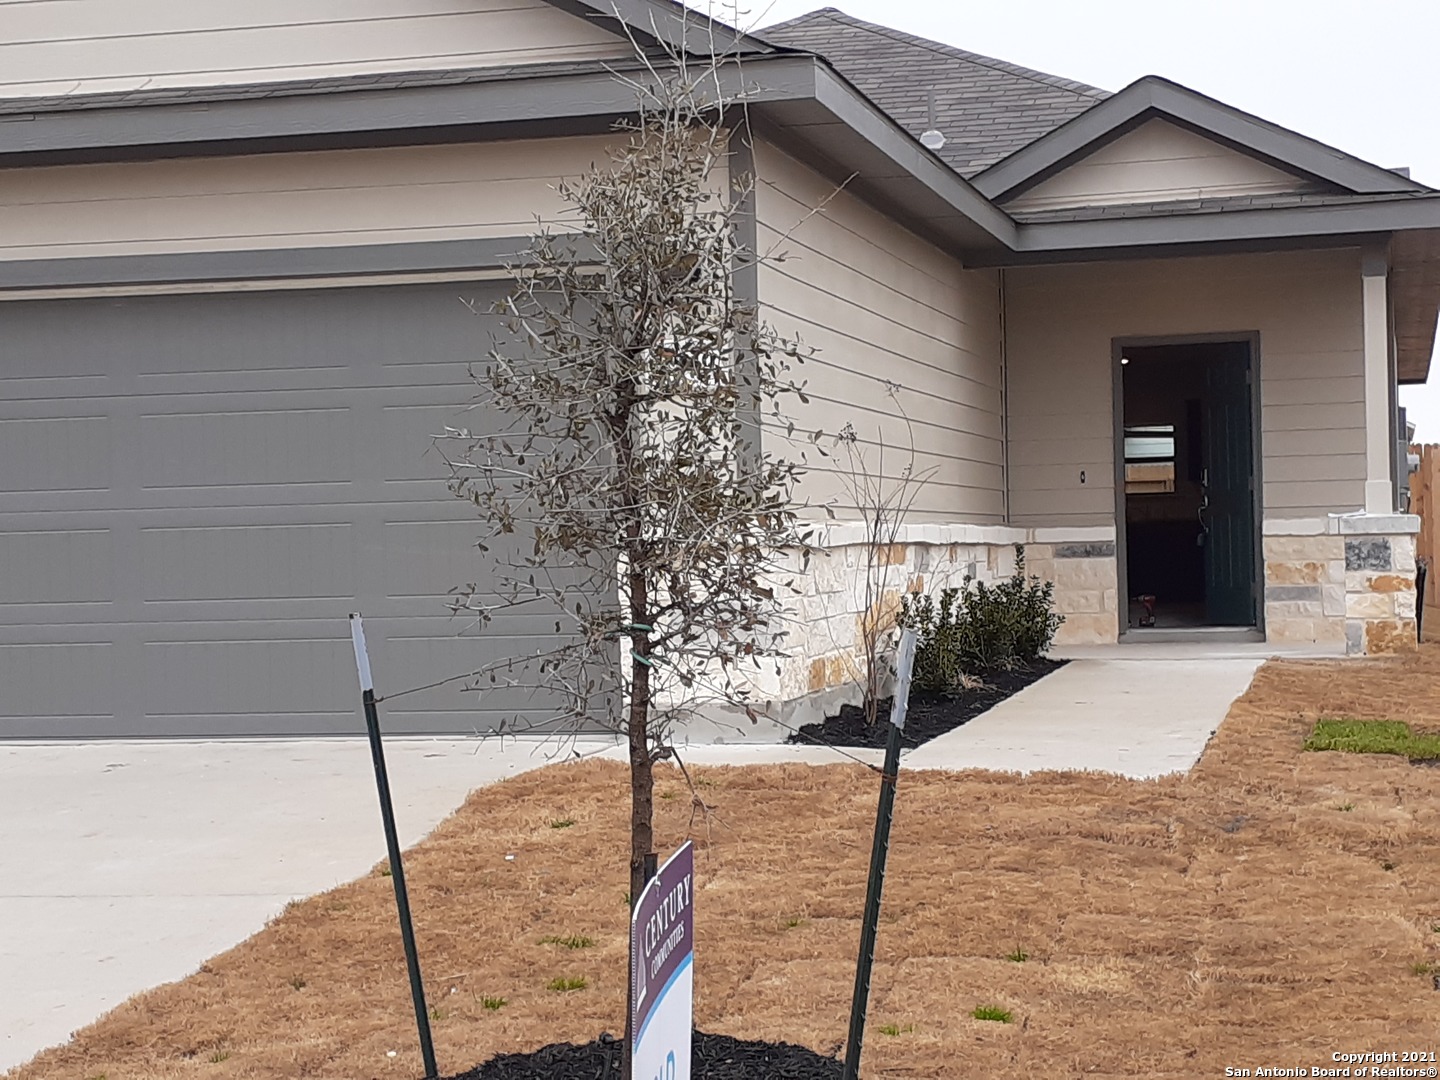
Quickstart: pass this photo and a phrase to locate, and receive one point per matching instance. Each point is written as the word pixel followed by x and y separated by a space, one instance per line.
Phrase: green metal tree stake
pixel 392 844
pixel 869 927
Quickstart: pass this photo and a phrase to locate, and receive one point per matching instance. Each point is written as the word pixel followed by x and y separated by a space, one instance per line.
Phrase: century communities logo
pixel 664 930
pixel 1370 1063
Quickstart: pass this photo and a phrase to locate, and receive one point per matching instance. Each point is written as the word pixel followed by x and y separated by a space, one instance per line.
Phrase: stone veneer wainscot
pixel 1347 578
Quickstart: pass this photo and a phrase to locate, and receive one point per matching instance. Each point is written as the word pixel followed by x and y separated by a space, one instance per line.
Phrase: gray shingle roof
pixel 986 108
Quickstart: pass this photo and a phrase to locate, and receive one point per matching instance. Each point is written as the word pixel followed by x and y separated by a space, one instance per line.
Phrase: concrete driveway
pixel 127 864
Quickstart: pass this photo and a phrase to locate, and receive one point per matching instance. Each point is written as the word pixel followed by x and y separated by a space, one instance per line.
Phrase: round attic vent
pixel 932 140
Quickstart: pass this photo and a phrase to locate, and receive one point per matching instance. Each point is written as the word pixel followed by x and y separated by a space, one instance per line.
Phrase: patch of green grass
pixel 667 795
pixel 562 823
pixel 570 941
pixel 1345 807
pixel 992 1012
pixel 1373 737
pixel 1019 956
pixel 494 1004
pixel 385 869
pixel 218 1056
pixel 895 1029
pixel 1424 968
pixel 795 920
pixel 562 984
pixel 436 1013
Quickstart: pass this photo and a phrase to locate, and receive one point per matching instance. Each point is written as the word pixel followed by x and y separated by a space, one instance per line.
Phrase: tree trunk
pixel 642 767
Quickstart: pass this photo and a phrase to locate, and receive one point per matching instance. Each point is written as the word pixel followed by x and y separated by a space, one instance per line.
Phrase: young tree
pixel 628 452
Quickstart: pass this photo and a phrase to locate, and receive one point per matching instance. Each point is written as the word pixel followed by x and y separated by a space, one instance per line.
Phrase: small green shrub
pixel 564 985
pixel 980 627
pixel 494 1004
pixel 993 1012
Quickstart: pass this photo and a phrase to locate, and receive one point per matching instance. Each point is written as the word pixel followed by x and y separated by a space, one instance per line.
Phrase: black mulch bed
pixel 716 1057
pixel 930 714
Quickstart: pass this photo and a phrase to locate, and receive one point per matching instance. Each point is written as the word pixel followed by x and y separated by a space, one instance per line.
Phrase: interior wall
pixel 1162 555
pixel 1062 321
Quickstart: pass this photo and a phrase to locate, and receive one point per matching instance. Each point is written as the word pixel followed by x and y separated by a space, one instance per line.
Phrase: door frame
pixel 1118 345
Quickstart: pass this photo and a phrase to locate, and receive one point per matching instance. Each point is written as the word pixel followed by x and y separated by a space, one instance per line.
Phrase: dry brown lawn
pixel 1269 908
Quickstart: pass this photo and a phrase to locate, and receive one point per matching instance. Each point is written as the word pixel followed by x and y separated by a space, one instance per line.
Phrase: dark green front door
pixel 1229 489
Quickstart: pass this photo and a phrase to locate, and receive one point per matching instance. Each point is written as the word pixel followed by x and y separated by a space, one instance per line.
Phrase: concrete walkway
pixel 1137 716
pixel 127 864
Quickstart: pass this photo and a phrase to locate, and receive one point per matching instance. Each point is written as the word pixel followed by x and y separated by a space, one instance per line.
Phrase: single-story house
pixel 1152 337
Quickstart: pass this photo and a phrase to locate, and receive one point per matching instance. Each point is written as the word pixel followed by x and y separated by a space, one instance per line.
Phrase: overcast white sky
pixel 1358 74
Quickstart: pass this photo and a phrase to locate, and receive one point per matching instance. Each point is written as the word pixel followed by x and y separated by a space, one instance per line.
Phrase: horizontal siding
pixel 882 307
pixel 390 195
pixel 1062 320
pixel 1157 162
pixel 89 46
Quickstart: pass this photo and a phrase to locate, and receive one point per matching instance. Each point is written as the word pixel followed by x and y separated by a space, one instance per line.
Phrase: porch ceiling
pixel 1415 290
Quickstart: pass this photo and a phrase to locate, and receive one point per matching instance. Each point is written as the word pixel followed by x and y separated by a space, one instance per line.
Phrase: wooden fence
pixel 1424 491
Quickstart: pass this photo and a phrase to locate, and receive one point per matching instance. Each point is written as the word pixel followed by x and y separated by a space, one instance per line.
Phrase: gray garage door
pixel 195 491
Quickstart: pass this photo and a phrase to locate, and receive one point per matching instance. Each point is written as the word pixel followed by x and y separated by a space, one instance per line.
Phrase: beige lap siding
pixel 881 306
pixel 333 197
pixel 1306 307
pixel 1157 162
pixel 50 47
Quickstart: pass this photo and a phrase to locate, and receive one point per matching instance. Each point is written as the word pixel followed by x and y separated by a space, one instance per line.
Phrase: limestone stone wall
pixel 1087 592
pixel 829 614
pixel 1344 579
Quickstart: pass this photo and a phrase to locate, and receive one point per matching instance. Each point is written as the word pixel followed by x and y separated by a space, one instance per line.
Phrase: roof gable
pixel 986 108
pixel 1158 162
pixel 1152 97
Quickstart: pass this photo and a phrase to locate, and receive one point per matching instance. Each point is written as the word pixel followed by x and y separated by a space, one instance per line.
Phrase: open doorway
pixel 1190 485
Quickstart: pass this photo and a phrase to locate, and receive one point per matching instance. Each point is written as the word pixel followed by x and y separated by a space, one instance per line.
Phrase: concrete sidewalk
pixel 127 864
pixel 1139 717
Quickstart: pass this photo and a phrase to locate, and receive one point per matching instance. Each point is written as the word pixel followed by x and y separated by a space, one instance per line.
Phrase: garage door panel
pixel 225 449
pixel 249 563
pixel 283 676
pixel 214 482
pixel 59 567
pixel 476 701
pixel 55 453
pixel 58 679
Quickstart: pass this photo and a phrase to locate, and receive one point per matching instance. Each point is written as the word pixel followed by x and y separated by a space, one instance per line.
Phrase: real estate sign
pixel 662 981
